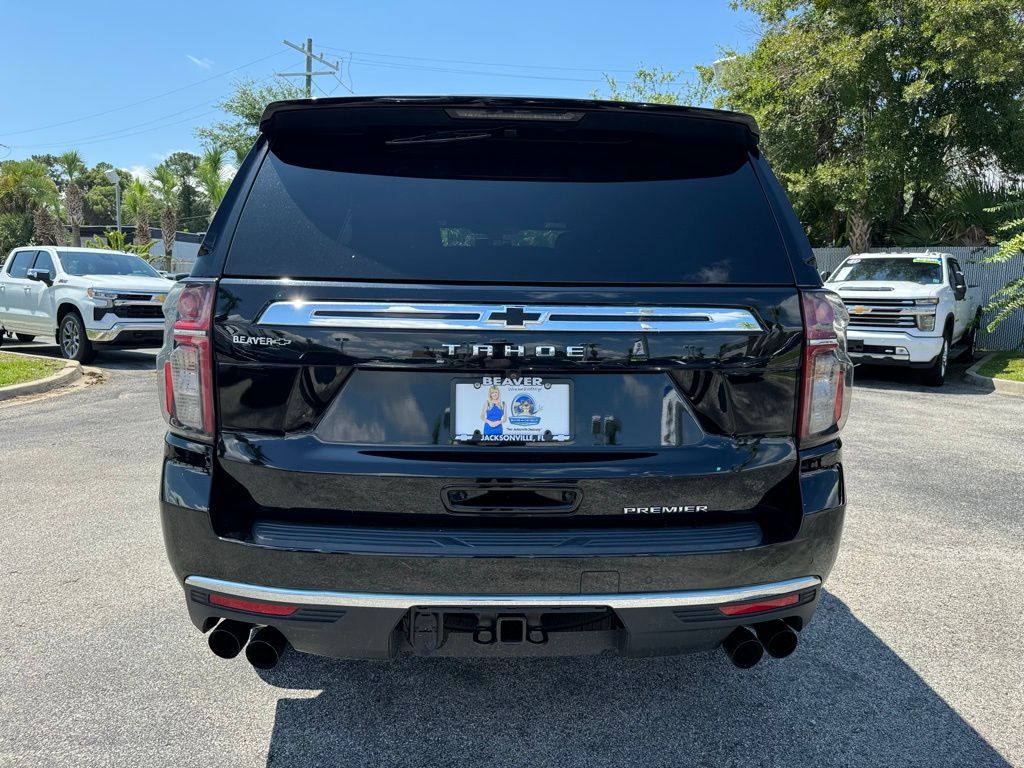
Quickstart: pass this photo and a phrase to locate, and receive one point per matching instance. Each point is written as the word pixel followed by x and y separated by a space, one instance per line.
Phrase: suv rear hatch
pixel 618 279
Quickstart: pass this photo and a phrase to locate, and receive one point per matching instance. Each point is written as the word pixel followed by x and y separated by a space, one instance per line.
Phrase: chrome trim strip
pixel 405 602
pixel 110 334
pixel 502 317
pixel 880 355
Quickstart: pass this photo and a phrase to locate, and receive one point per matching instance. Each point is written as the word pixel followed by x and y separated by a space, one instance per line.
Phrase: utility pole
pixel 309 74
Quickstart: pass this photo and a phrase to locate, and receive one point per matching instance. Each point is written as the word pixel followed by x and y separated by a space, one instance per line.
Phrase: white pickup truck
pixel 908 309
pixel 83 296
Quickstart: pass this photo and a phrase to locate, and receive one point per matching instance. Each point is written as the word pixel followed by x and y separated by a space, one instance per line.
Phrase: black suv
pixel 487 376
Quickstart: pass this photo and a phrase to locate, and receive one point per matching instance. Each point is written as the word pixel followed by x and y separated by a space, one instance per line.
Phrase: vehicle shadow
pixel 844 698
pixel 108 359
pixel 891 378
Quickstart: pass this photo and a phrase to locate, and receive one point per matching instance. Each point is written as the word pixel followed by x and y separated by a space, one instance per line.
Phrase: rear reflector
pixel 253 606
pixel 742 609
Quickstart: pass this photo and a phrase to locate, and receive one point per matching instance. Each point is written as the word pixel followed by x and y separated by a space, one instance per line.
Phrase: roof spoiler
pixel 301 115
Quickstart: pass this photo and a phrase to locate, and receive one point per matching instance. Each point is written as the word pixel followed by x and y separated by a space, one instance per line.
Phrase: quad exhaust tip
pixel 265 648
pixel 228 638
pixel 745 647
pixel 777 637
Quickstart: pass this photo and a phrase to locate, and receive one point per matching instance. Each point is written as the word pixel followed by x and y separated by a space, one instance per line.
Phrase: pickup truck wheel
pixel 74 344
pixel 25 338
pixel 971 340
pixel 936 375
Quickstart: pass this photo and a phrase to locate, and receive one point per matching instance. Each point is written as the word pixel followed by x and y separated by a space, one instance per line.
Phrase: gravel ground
pixel 915 657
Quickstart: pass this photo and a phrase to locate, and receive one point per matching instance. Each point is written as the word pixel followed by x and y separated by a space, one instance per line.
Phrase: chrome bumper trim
pixel 405 602
pixel 110 334
pixel 500 317
pixel 879 356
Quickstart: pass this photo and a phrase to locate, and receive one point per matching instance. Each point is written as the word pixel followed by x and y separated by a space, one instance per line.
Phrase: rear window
pixel 20 263
pixel 310 215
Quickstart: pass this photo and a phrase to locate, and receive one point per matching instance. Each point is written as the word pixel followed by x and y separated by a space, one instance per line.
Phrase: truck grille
pixel 884 313
pixel 139 311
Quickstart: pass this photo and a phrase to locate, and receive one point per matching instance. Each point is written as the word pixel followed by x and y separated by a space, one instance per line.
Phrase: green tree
pixel 165 189
pixel 245 106
pixel 212 178
pixel 139 205
pixel 27 193
pixel 191 210
pixel 880 105
pixel 72 167
pixel 1010 298
pixel 656 86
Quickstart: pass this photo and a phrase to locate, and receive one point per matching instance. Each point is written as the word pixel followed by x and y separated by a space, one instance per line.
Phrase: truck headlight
pixel 926 322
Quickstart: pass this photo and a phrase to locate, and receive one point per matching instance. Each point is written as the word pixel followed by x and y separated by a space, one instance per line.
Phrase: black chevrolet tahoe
pixel 466 376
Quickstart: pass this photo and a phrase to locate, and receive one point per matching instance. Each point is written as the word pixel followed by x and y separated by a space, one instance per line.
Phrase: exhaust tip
pixel 743 648
pixel 228 638
pixel 777 637
pixel 265 648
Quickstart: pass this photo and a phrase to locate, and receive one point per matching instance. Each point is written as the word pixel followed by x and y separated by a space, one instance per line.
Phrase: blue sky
pixel 72 74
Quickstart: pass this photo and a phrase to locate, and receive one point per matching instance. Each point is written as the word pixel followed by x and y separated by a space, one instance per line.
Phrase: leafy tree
pixel 246 106
pixel 1010 298
pixel 655 86
pixel 15 230
pixel 191 210
pixel 879 105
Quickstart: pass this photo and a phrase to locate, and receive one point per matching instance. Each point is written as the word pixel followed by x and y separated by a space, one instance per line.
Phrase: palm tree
pixel 137 201
pixel 27 189
pixel 212 178
pixel 165 188
pixel 72 166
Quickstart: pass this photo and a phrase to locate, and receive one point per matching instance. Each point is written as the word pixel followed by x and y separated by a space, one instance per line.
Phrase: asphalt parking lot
pixel 916 657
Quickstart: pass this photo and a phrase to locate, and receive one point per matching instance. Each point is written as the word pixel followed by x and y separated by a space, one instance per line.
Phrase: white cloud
pixel 138 172
pixel 202 63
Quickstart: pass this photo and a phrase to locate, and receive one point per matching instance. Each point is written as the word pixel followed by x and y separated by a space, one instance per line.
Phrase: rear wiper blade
pixel 440 137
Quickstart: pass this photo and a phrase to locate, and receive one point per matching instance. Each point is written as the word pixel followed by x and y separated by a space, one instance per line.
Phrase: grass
pixel 1005 365
pixel 17 369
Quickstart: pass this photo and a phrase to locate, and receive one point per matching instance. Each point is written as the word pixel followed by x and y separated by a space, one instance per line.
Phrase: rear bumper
pixel 364 604
pixel 364 625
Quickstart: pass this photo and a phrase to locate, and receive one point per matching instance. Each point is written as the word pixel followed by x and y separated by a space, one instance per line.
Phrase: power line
pixel 477 63
pixel 117 134
pixel 143 101
pixel 129 130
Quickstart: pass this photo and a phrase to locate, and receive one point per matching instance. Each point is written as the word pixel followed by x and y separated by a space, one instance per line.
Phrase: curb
pixel 72 371
pixel 1005 386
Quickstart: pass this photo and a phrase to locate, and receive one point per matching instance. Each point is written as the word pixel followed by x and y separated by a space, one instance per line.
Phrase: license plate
pixel 528 409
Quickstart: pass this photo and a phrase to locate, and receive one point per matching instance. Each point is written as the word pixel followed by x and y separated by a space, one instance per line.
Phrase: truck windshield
pixel 113 263
pixel 923 270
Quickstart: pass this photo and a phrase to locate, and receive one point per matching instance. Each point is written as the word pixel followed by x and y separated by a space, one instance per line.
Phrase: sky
pixel 129 82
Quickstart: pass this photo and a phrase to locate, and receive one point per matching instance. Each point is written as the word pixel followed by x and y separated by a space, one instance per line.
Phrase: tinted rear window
pixel 696 221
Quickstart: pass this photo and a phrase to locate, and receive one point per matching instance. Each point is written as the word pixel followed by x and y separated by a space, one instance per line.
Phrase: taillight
pixel 827 371
pixel 187 358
